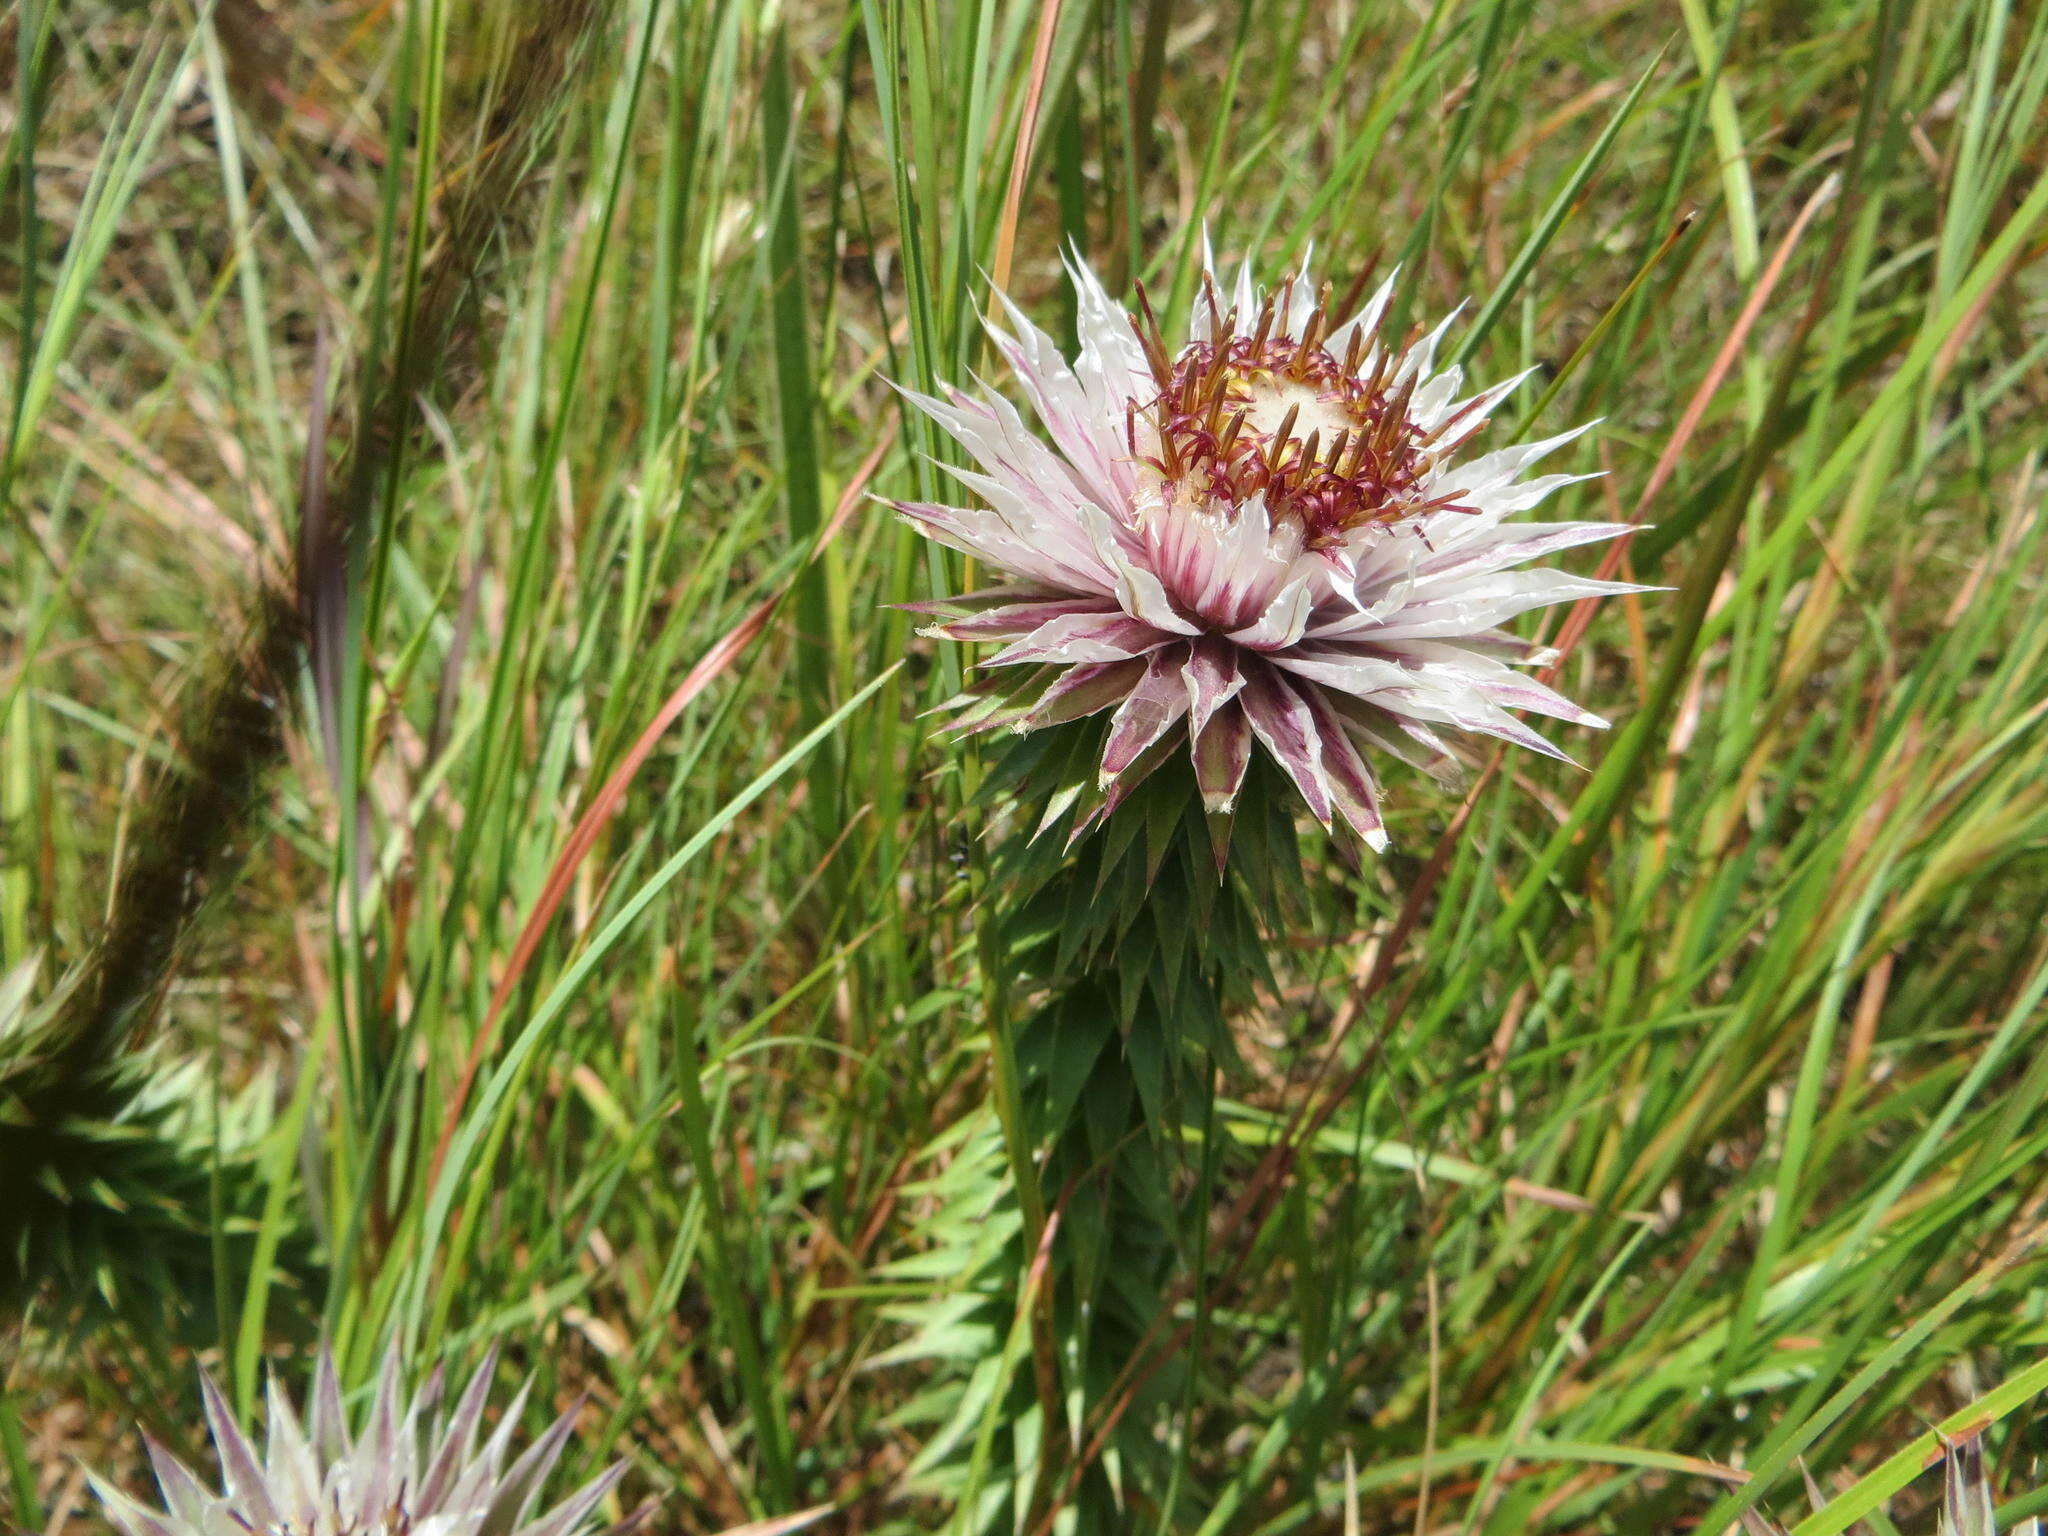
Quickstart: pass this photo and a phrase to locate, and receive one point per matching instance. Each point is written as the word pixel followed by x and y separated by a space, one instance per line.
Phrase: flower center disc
pixel 1326 440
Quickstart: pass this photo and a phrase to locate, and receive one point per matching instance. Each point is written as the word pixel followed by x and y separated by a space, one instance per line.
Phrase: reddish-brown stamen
pixel 1212 394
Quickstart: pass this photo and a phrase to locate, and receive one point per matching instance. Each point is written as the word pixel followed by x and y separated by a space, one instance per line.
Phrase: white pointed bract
pixel 1267 537
pixel 411 1471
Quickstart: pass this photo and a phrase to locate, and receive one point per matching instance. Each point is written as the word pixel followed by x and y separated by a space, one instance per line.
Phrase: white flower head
pixel 410 1472
pixel 1268 536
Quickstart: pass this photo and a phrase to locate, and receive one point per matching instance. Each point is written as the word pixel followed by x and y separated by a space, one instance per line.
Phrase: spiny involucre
pixel 411 1472
pixel 1267 536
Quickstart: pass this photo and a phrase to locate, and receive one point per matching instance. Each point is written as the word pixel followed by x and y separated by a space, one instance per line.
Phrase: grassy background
pixel 595 967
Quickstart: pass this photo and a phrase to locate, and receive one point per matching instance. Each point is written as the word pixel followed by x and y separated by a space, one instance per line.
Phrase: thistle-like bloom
pixel 398 1478
pixel 1268 535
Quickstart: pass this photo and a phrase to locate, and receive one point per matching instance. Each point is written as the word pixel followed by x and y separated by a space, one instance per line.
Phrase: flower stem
pixel 1129 951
